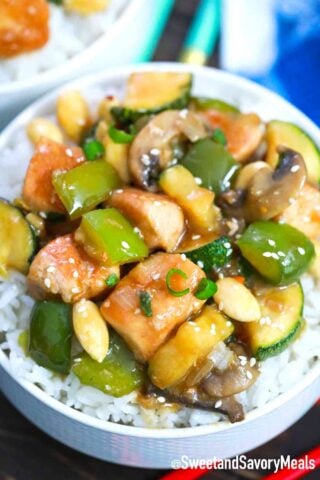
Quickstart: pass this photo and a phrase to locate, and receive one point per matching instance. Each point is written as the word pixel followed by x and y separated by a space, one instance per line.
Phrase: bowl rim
pixel 112 76
pixel 81 58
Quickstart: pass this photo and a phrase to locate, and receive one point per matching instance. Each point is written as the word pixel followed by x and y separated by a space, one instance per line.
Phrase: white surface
pixel 150 447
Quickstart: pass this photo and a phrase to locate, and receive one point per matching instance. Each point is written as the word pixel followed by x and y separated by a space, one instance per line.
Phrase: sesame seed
pixel 75 290
pixel 125 244
pixel 119 190
pixel 75 274
pixel 183 113
pixel 137 311
pixel 183 257
pixel 295 168
pixel 47 282
pixel 157 203
pixel 200 263
pixel 198 180
pixel 69 152
pixel 155 276
pixel 43 214
pixel 145 159
pixel 71 260
pixel 267 254
pixel 249 374
pixel 252 362
pixel 195 237
pixel 155 151
pixel 301 251
pixel 218 404
pixel 161 399
pixel 220 275
pixel 51 269
pixel 228 323
pixel 271 242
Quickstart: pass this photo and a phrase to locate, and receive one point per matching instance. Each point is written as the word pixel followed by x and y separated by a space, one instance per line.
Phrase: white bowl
pixel 123 42
pixel 155 448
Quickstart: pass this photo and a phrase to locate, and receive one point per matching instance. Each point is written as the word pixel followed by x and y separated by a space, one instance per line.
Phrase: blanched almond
pixel 91 330
pixel 237 301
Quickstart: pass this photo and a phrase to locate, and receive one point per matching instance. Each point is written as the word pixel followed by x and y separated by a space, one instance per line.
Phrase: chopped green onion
pixel 206 289
pixel 219 137
pixel 112 280
pixel 93 149
pixel 120 136
pixel 176 271
pixel 145 303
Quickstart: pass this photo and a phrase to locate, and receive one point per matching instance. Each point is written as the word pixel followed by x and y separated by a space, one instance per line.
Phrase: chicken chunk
pixel 24 26
pixel 63 268
pixel 38 192
pixel 243 132
pixel 304 214
pixel 122 309
pixel 159 219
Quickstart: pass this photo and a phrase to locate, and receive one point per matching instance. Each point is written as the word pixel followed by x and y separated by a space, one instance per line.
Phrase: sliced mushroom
pixel 195 397
pixel 237 377
pixel 267 193
pixel 151 150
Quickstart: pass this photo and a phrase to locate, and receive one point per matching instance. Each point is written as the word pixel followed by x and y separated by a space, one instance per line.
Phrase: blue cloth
pixel 295 73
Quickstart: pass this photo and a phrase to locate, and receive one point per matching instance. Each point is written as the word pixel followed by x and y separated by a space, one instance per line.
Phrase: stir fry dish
pixel 24 24
pixel 163 240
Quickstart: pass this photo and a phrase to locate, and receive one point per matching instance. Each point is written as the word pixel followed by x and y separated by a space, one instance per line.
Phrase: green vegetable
pixel 93 150
pixel 112 280
pixel 214 255
pixel 51 334
pixel 151 93
pixel 279 252
pixel 118 374
pixel 211 162
pixel 18 242
pixel 206 289
pixel 120 136
pixel 56 2
pixel 281 309
pixel 108 237
pixel 205 103
pixel 170 274
pixel 83 188
pixel 291 136
pixel 145 303
pixel 219 137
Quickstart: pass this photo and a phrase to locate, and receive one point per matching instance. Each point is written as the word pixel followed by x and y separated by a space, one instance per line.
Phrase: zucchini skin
pixel 124 116
pixel 267 346
pixel 213 255
pixel 262 353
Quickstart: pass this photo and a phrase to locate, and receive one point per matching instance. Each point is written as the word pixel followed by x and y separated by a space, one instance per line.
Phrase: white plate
pixel 156 448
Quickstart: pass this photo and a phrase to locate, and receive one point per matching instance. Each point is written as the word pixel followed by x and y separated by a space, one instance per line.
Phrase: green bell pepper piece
pixel 50 335
pixel 108 237
pixel 212 163
pixel 279 252
pixel 83 188
pixel 118 374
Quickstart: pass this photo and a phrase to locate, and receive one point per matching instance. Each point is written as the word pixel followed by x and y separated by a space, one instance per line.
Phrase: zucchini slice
pixel 291 136
pixel 213 255
pixel 280 323
pixel 207 103
pixel 17 239
pixel 150 93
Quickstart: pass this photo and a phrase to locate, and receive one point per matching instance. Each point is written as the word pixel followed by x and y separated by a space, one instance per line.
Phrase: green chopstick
pixel 203 33
pixel 161 11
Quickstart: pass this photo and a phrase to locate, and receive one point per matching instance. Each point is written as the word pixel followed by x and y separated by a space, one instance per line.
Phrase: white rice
pixel 70 33
pixel 278 374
